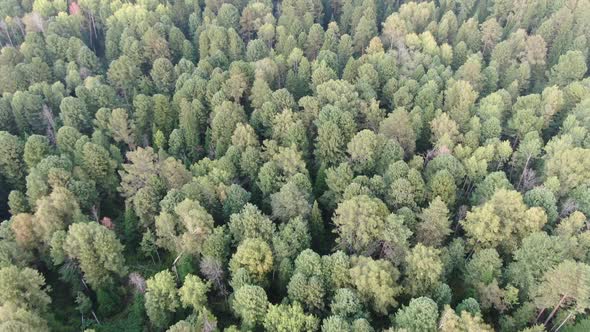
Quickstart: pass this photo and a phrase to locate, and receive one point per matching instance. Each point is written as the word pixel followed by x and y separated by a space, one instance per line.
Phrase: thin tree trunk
pixel 176 259
pixel 563 297
pixel 526 164
pixel 95 318
pixel 513 145
pixel 93 25
pixel 174 265
pixel 539 315
pixel 470 188
pixel 175 272
pixel 464 187
pixel 50 123
pixel 19 24
pixel 564 321
pixel 90 30
pixel 8 35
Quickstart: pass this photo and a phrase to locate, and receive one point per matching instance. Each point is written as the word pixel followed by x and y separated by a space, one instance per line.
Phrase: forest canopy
pixel 294 165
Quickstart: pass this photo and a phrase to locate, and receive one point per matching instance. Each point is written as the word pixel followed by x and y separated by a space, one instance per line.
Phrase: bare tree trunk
pixel 93 25
pixel 90 29
pixel 126 97
pixel 539 315
pixel 94 212
pixel 174 265
pixel 209 326
pixel 563 297
pixel 465 186
pixel 176 272
pixel 564 321
pixel 95 318
pixel 8 35
pixel 526 164
pixel 19 24
pixel 93 314
pixel 176 259
pixel 50 123
pixel 470 188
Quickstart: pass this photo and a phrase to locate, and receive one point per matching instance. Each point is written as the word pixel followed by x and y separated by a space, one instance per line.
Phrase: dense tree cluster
pixel 294 165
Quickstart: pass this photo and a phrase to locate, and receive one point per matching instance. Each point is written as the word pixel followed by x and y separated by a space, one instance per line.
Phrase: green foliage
pixel 470 305
pixel 544 198
pixel 435 225
pixel 307 282
pixel 564 285
pixel 290 202
pixel 359 222
pixel 225 119
pixel 185 230
pixel 571 67
pixel 450 321
pixel 424 268
pixel 504 221
pixel 483 267
pixel 335 323
pixel 538 253
pixel 560 163
pixel 12 163
pixel 13 318
pixel 292 238
pixel 236 198
pixel 97 250
pixel 420 315
pixel 398 126
pixel 252 146
pixel 74 113
pixel 131 230
pixel 283 318
pixel 24 289
pixel 490 184
pixel 17 202
pixel 55 211
pixel 193 292
pixel 250 305
pixel 376 282
pixel 108 300
pixel 346 304
pixel 250 223
pixel 161 298
pixel 255 256
pixel 36 148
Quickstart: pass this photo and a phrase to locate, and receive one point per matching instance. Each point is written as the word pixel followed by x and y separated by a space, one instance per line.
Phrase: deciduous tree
pixel 161 298
pixel 420 315
pixel 97 250
pixel 250 304
pixel 376 282
pixel 360 222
